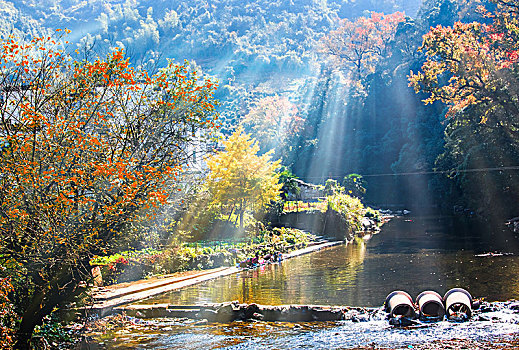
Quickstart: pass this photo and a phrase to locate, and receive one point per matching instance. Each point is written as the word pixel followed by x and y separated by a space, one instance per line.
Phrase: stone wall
pixel 329 224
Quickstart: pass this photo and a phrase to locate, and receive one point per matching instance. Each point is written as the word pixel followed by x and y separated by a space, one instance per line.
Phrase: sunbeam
pixel 236 172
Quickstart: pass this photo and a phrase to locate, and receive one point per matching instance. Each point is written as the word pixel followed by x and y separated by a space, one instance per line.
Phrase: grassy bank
pixel 134 265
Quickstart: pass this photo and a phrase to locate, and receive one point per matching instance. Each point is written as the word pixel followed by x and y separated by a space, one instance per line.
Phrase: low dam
pixel 410 253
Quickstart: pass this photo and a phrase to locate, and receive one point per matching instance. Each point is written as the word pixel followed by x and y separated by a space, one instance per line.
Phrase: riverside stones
pixel 514 306
pixel 228 312
pixel 319 314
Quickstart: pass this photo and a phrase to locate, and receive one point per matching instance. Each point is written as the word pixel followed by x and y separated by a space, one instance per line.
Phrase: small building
pixel 308 192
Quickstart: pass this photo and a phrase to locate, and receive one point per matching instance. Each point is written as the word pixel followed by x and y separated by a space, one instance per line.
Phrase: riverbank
pixel 105 299
pixel 134 265
pixel 346 269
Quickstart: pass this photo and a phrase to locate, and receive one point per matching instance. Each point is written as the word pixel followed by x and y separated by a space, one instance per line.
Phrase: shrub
pixel 7 315
pixel 351 209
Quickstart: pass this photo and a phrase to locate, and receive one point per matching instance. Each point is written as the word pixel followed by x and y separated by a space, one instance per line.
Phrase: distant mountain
pixel 279 34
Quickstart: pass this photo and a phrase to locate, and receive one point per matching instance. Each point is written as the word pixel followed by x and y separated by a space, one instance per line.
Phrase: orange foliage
pixel 7 315
pixel 89 145
pixel 360 44
pixel 474 64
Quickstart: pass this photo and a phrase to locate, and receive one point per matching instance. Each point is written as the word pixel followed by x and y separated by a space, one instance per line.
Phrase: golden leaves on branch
pixel 239 178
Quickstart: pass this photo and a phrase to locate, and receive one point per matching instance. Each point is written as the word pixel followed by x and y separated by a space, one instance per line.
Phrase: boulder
pixel 514 306
pixel 209 314
pixel 227 313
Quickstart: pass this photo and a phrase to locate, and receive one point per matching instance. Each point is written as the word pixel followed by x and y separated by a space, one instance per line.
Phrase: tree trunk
pixel 46 297
pixel 32 316
pixel 241 220
pixel 24 333
pixel 242 210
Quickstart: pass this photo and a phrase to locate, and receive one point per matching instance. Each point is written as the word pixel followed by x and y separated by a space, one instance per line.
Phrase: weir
pixel 235 311
pixel 108 298
pixel 228 312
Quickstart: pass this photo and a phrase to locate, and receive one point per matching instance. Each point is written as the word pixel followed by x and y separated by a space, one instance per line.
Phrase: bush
pixel 50 333
pixel 8 317
pixel 292 236
pixel 349 208
pixel 354 185
pixel 126 266
pixel 373 214
pixel 185 256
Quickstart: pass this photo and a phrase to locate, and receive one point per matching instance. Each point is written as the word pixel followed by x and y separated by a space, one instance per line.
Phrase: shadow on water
pixel 411 253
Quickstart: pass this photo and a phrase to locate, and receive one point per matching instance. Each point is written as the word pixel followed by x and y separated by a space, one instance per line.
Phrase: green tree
pixel 290 185
pixel 354 185
pixel 239 179
pixel 332 187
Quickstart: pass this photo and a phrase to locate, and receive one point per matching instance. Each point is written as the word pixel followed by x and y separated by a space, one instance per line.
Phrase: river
pixel 410 253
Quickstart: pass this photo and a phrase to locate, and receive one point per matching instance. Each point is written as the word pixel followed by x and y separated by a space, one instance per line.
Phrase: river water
pixel 410 253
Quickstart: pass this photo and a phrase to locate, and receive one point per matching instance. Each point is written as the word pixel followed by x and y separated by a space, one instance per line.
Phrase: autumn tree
pixel 473 69
pixel 87 147
pixel 273 120
pixel 239 179
pixel 472 65
pixel 358 45
pixel 8 316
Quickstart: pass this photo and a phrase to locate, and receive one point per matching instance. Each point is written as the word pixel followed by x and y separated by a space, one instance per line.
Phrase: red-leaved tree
pixel 359 44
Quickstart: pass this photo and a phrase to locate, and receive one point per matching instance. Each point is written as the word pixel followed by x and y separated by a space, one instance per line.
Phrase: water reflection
pixel 413 254
pixel 294 281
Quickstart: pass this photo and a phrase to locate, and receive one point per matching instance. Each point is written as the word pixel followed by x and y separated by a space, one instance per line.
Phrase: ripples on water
pixel 412 254
pixel 188 334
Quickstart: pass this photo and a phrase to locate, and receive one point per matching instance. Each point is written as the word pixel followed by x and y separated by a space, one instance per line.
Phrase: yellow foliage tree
pixel 240 179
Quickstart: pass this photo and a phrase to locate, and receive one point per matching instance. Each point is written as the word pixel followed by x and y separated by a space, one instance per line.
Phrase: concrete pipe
pixel 431 306
pixel 458 304
pixel 400 304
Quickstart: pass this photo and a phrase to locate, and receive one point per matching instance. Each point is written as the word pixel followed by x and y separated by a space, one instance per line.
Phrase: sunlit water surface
pixel 411 254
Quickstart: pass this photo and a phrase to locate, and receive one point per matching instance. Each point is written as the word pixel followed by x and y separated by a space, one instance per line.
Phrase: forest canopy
pixel 105 104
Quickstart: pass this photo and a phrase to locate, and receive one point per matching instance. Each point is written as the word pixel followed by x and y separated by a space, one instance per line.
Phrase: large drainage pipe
pixel 458 304
pixel 400 304
pixel 431 306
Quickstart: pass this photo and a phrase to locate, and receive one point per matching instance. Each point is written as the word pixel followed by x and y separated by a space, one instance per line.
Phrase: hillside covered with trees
pixel 348 114
pixel 147 125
